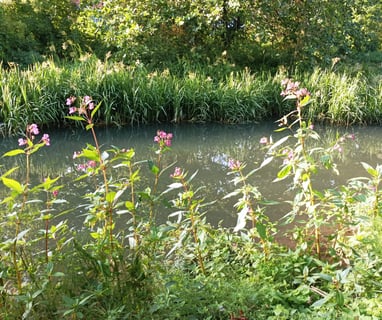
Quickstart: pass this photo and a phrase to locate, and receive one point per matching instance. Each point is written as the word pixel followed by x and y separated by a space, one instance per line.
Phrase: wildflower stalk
pixel 302 97
pixel 245 204
pixel 85 112
pixel 109 208
pixel 164 141
pixel 30 147
pixel 191 207
pixel 133 205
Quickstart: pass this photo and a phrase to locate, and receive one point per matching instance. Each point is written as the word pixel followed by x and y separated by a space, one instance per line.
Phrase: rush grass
pixel 137 94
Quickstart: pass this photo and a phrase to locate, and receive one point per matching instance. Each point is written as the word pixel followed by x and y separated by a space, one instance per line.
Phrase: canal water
pixel 202 148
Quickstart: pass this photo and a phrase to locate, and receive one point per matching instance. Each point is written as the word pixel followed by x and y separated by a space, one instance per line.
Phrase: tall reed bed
pixel 184 92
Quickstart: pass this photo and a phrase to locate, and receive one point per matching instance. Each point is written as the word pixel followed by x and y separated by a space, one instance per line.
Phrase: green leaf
pixel 278 143
pixel 10 171
pixel 262 230
pixel 95 235
pixel 89 126
pixel 340 298
pixel 321 302
pixel 129 206
pixel 90 154
pixel 110 196
pixel 370 169
pixel 241 219
pixel 13 184
pixel 305 101
pixel 76 118
pixel 95 110
pixel 153 168
pixel 284 172
pixel 13 153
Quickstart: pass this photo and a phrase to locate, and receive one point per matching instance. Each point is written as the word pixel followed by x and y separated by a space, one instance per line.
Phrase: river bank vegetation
pixel 184 92
pixel 93 63
pixel 326 265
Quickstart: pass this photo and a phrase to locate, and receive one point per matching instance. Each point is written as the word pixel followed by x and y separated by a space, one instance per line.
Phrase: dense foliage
pixel 159 61
pixel 186 268
pixel 158 32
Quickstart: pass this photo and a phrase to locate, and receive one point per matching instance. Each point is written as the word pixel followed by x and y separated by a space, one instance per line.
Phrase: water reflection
pixel 203 148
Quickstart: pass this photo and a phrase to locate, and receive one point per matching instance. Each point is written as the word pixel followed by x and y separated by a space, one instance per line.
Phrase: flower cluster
pixel 235 165
pixel 288 154
pixel 338 146
pixel 293 90
pixel 163 139
pixel 91 164
pixel 264 140
pixel 31 132
pixel 178 173
pixel 86 104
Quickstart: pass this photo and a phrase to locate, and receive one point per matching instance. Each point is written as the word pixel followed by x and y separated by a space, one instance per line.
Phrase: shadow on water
pixel 205 148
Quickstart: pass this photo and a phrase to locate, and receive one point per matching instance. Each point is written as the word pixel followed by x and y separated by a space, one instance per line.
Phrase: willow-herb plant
pixel 163 141
pixel 248 206
pixel 97 162
pixel 19 210
pixel 372 185
pixel 301 162
pixel 188 206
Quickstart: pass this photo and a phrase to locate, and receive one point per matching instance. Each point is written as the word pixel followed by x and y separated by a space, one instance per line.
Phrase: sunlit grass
pixel 199 93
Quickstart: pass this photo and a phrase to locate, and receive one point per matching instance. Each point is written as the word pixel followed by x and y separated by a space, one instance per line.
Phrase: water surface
pixel 205 148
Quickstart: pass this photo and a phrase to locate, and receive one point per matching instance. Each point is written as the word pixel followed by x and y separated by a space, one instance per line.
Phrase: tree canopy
pixel 158 31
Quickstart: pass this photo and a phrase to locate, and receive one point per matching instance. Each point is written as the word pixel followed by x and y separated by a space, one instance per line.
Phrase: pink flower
pixel 351 136
pixel 72 110
pixel 33 129
pixel 70 100
pixel 234 165
pixel 264 140
pixel 162 134
pixel 177 173
pixel 292 89
pixel 87 99
pixel 22 142
pixel 81 167
pixel 91 164
pixel 167 142
pixel 163 139
pixel 302 93
pixel 55 193
pixel 338 148
pixel 45 138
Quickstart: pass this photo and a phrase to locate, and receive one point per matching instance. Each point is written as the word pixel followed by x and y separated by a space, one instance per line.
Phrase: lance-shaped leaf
pixel 13 153
pixel 13 185
pixel 76 118
pixel 95 110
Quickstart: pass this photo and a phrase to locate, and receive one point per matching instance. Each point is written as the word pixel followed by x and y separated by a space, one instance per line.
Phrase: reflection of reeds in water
pixel 206 148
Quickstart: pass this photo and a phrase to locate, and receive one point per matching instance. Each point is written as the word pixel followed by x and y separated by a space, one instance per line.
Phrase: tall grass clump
pixel 343 97
pixel 137 94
